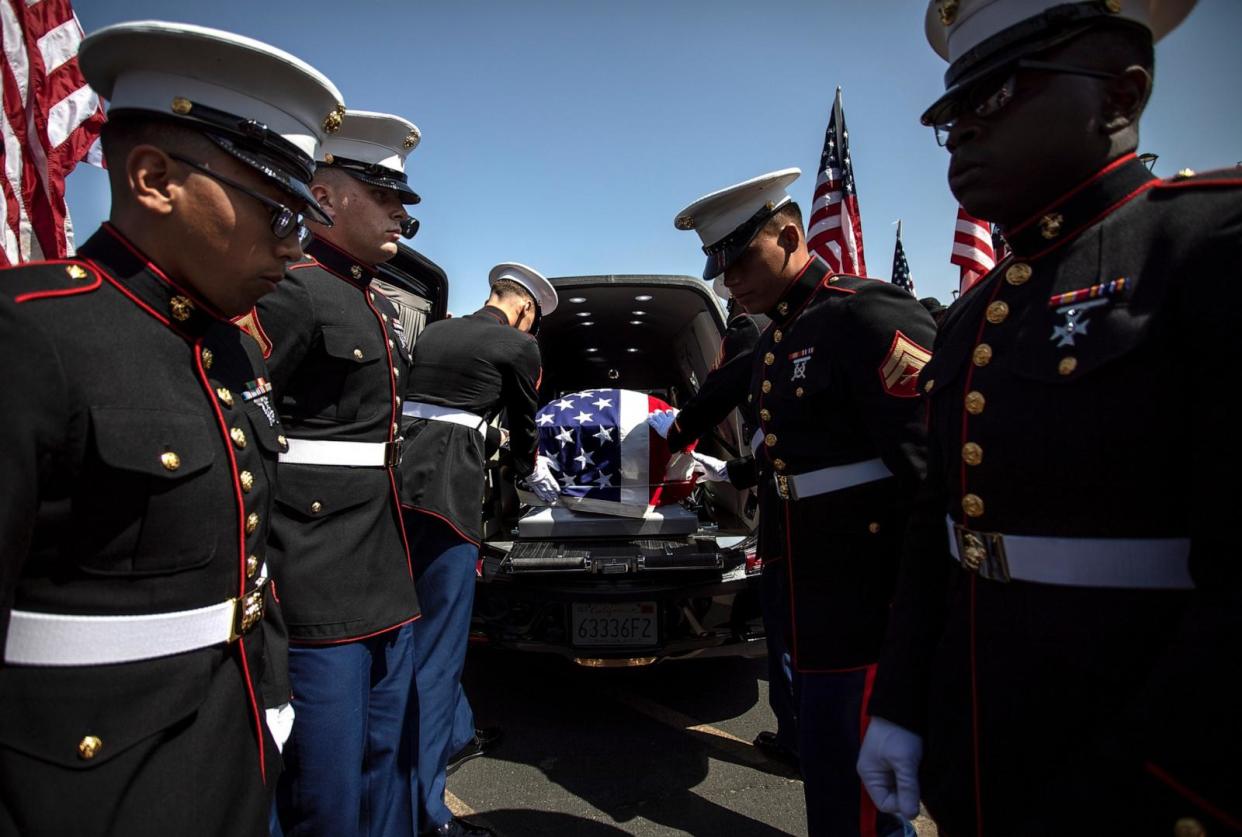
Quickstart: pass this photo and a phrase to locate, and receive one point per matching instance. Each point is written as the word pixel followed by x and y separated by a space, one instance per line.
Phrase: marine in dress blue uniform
pixel 838 456
pixel 1064 643
pixel 466 371
pixel 338 553
pixel 139 453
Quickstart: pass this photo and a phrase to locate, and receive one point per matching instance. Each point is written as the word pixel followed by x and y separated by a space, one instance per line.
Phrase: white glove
pixel 712 469
pixel 888 764
pixel 662 420
pixel 542 482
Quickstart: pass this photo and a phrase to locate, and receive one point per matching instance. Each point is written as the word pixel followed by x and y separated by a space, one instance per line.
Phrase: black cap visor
pixel 1022 40
pixel 270 168
pixel 726 251
pixel 376 175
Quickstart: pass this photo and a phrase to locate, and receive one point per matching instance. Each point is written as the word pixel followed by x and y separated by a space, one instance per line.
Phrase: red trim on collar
pixel 1113 166
pixel 372 268
pixel 1073 234
pixel 206 306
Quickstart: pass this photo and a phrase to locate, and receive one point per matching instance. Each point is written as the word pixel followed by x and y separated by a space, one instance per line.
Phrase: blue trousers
pixel 830 729
pixel 444 573
pixel 774 605
pixel 349 760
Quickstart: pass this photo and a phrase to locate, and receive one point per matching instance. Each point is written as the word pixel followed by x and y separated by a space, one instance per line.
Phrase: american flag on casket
pixel 607 458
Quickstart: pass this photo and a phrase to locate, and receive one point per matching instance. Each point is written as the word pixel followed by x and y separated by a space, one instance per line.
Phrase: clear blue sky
pixel 566 134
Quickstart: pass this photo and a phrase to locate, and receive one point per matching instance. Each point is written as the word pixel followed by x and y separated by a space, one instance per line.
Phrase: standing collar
pixel 799 291
pixel 493 312
pixel 1066 217
pixel 140 279
pixel 342 264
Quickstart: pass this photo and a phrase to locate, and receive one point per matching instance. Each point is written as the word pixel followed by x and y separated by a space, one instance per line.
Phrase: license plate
pixel 619 625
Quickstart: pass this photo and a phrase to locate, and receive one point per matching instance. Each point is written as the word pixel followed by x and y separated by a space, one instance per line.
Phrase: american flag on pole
pixel 50 121
pixel 606 457
pixel 974 249
pixel 901 267
pixel 835 228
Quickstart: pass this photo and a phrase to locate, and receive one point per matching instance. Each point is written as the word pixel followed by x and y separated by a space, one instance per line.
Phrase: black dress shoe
pixel 457 827
pixel 767 743
pixel 484 741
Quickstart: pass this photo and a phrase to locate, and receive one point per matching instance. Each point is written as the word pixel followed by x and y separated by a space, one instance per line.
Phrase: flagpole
pixel 837 110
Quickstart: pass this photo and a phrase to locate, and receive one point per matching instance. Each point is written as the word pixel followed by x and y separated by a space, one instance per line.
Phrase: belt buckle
pixel 786 489
pixel 392 453
pixel 982 553
pixel 247 611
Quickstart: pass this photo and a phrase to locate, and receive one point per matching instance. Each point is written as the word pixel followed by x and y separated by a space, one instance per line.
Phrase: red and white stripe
pixel 834 231
pixel 972 249
pixel 50 121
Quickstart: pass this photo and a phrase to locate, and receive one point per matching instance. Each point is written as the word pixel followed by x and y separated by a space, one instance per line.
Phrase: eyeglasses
pixel 285 221
pixel 993 92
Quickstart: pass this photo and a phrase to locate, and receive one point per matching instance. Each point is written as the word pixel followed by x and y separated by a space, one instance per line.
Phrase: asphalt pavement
pixel 657 751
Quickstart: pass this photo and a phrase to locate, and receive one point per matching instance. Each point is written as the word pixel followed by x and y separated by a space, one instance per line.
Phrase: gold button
pixel 767 386
pixel 769 359
pixel 208 358
pixel 947 11
pixel 395 373
pixel 765 414
pixel 1018 273
pixel 225 396
pixel 1050 225
pixel 1067 365
pixel 358 354
pixel 391 344
pixel 247 481
pixel 384 317
pixel 89 747
pixel 799 392
pixel 972 504
pixel 397 402
pixel 1113 6
pixel 395 428
pixel 76 271
pixel 750 397
pixel 997 312
pixel 1185 173
pixel 972 454
pixel 239 436
pixel 355 271
pixel 180 307
pixel 170 460
pixel 1188 827
pixel 975 402
pixel 769 439
pixel 928 384
pixel 252 522
pixel 282 441
pixel 252 566
pixel 316 507
pixel 777 336
pixel 783 308
pixel 982 355
pixel 778 464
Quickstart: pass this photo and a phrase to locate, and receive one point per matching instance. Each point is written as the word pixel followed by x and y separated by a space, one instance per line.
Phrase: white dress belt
pixel 1125 563
pixel 330 452
pixel 827 480
pixel 432 412
pixel 61 639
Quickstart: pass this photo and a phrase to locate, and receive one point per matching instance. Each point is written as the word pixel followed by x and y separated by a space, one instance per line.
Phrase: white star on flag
pixel 566 436
pixel 604 434
pixel 584 459
pixel 545 419
pixel 601 403
pixel 603 481
pixel 581 417
pixel 564 404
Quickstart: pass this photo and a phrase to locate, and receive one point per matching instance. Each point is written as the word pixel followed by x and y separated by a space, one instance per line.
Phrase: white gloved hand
pixel 888 764
pixel 662 420
pixel 712 469
pixel 542 482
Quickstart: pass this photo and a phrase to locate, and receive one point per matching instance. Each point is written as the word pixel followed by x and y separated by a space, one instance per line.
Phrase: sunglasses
pixel 285 221
pixel 993 92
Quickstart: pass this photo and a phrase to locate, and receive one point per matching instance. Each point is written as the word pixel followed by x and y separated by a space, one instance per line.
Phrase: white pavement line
pixel 726 741
pixel 456 807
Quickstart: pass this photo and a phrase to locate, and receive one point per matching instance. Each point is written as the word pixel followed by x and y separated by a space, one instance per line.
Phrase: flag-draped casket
pixel 606 457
